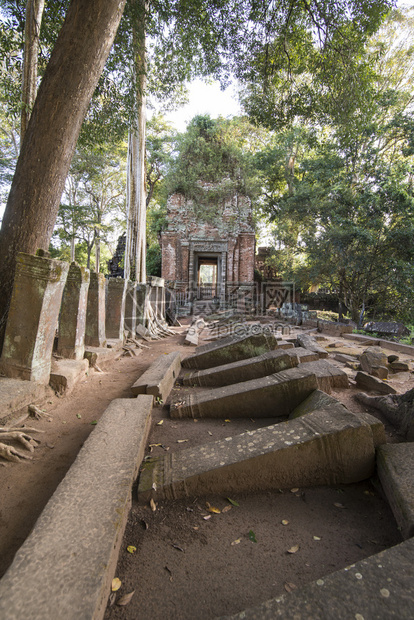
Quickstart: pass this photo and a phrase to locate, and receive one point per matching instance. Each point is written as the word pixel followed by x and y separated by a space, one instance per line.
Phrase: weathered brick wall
pixel 229 222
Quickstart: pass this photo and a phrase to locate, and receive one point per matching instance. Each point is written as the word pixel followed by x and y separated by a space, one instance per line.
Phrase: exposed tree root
pixel 37 413
pixel 398 409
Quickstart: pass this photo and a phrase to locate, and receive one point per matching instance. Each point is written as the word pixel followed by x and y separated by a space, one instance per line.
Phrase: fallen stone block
pixel 368 382
pixel 334 329
pixel 272 396
pixel 102 356
pixel 284 344
pixel 230 349
pixel 159 379
pixel 316 401
pixel 396 408
pixel 194 332
pixel 244 370
pixel 379 587
pixel 303 355
pixel 313 450
pixel 374 361
pixel 387 328
pixel 320 401
pixel 82 524
pixel 308 342
pixel 395 466
pixel 328 376
pixel 66 373
pixel 397 366
pixel 16 394
pixel 342 357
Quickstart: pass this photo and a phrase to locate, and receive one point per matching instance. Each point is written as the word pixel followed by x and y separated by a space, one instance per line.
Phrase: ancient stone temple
pixel 209 247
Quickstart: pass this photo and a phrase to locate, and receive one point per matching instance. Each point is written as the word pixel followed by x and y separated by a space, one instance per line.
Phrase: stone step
pixel 159 379
pixel 317 449
pixel 65 567
pixel 243 370
pixel 271 396
pixel 230 349
pixel 395 466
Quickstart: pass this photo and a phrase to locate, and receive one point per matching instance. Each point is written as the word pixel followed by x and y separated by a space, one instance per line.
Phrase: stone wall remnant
pixel 33 317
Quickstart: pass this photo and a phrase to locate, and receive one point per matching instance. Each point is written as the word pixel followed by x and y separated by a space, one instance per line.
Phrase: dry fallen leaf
pixel 289 586
pixel 124 600
pixel 153 505
pixel 181 440
pixel 210 433
pixel 293 549
pixel 227 420
pixel 285 522
pixel 207 517
pixel 338 505
pixel 131 549
pixel 295 490
pixel 211 508
pixel 236 542
pixel 316 538
pixel 160 422
pixel 226 508
pixel 116 584
pixel 112 598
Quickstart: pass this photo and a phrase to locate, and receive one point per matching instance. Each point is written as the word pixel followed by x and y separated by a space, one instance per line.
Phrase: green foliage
pixel 154 260
pixel 212 164
pixel 339 192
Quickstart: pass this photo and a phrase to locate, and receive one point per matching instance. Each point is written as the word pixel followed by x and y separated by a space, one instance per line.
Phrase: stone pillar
pixel 130 319
pixel 95 312
pixel 169 243
pixel 246 257
pixel 115 308
pixel 33 317
pixel 71 342
pixel 141 297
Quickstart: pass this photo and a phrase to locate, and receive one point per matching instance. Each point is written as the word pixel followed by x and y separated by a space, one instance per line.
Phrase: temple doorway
pixel 207 278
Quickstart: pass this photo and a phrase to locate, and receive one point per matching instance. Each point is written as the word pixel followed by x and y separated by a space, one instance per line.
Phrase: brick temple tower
pixel 209 247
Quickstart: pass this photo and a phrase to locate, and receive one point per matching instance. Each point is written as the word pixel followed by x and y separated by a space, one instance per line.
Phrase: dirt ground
pixel 189 562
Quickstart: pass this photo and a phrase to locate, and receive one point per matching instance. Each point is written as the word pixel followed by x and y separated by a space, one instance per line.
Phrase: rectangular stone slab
pixel 316 449
pixel 229 350
pixel 395 466
pixel 243 370
pixel 328 375
pixel 308 342
pixel 160 376
pixel 379 587
pixel 65 567
pixel 303 355
pixel 272 396
pixel 319 400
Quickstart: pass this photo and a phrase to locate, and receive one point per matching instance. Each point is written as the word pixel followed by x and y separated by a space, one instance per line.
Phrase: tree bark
pixel 76 63
pixel 135 250
pixel 34 12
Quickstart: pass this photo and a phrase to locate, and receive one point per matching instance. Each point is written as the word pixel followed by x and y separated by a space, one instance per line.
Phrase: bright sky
pixel 205 99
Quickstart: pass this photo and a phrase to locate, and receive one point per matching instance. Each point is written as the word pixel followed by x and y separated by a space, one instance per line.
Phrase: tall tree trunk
pixel 34 12
pixel 76 63
pixel 72 247
pixel 135 251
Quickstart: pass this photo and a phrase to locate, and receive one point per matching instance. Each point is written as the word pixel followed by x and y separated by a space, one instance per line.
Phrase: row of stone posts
pixel 84 309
